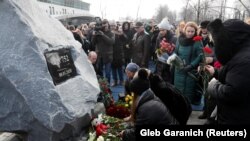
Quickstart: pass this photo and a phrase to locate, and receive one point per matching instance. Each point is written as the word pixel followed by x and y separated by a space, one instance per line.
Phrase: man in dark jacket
pixel 141 46
pixel 103 41
pixel 231 91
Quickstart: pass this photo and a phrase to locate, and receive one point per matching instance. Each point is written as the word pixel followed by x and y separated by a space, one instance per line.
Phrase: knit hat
pixel 132 67
pixel 141 83
pixel 164 24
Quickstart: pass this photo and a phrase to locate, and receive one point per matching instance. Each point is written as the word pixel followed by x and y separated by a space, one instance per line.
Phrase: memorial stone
pixel 47 87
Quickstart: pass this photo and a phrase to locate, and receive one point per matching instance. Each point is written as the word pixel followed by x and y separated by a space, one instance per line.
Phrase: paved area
pixel 193 120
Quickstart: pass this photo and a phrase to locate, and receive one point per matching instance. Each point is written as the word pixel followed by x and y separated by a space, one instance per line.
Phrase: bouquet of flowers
pixel 205 76
pixel 105 95
pixel 164 51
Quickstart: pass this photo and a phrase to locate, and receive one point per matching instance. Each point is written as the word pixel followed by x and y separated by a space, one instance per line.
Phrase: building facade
pixel 59 8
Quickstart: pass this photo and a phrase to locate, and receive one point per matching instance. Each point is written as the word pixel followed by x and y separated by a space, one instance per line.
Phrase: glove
pixel 188 68
pixel 211 88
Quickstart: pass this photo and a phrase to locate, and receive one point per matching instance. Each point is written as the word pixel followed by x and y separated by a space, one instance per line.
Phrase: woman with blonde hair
pixel 190 52
pixel 180 28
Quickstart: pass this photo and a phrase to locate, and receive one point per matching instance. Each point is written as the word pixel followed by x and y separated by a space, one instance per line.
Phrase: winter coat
pixel 150 111
pixel 141 49
pixel 104 46
pixel 118 53
pixel 191 53
pixel 178 105
pixel 232 91
pixel 128 44
pixel 163 69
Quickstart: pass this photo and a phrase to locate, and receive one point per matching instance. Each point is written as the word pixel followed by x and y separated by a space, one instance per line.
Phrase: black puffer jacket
pixel 150 111
pixel 232 89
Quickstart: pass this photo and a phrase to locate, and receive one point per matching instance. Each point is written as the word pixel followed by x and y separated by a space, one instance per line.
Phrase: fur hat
pixel 164 24
pixel 204 24
pixel 132 67
pixel 141 83
pixel 228 37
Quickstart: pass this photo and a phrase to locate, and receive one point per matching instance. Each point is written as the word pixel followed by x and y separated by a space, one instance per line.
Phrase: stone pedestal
pixel 47 87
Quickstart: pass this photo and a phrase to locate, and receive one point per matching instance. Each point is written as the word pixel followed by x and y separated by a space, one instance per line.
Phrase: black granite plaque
pixel 60 65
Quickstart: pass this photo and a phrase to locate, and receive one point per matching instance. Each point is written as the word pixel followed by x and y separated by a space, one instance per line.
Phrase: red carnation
pixel 207 50
pixel 217 64
pixel 197 38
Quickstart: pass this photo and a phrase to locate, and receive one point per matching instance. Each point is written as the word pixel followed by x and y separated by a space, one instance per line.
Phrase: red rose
pixel 197 38
pixel 207 50
pixel 217 64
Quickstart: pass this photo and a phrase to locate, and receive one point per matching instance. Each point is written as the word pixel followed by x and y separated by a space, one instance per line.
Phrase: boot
pixel 114 84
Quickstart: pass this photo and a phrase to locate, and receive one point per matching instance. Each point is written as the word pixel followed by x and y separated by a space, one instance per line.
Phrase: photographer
pixel 103 40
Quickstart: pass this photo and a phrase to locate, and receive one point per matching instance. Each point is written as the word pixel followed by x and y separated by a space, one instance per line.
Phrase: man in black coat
pixel 141 46
pixel 231 90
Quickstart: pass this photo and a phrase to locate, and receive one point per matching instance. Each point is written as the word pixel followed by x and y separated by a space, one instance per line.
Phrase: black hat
pixel 141 83
pixel 228 37
pixel 204 24
pixel 138 24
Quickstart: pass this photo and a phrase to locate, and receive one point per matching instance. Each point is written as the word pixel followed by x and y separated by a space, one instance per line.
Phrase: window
pixel 50 11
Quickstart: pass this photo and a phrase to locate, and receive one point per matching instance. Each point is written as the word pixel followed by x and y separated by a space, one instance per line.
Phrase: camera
pixel 98 25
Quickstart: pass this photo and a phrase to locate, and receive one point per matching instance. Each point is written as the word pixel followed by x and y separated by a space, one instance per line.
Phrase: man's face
pixel 139 29
pixel 105 26
pixel 129 74
pixel 93 59
pixel 204 33
pixel 163 32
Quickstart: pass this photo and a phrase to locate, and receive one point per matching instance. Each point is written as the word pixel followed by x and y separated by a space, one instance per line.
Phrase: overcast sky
pixel 116 9
pixel 123 8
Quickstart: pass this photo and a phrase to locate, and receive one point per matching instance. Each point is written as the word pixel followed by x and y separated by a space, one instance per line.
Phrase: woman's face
pixel 163 32
pixel 189 32
pixel 126 26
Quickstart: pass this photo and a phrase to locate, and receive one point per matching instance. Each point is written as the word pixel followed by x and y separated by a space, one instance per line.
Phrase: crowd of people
pixel 117 48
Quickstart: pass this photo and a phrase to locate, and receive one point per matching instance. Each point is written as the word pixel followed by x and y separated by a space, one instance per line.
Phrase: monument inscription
pixel 60 65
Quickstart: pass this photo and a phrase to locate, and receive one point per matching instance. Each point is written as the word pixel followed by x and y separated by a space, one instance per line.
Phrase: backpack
pixel 178 105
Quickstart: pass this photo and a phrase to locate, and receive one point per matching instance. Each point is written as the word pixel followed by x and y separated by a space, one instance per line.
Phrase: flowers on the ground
pixel 112 126
pixel 129 100
pixel 118 111
pixel 106 95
